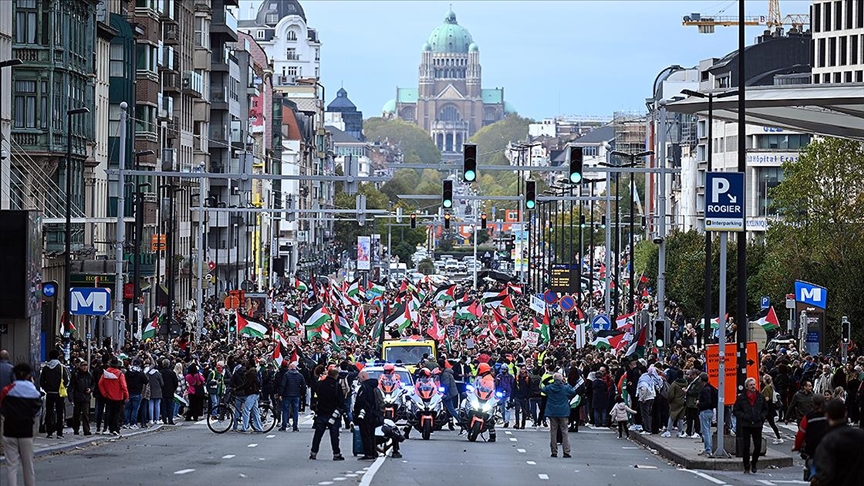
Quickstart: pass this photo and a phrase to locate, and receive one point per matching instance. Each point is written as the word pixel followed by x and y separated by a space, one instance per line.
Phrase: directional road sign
pixel 601 322
pixel 90 301
pixel 724 201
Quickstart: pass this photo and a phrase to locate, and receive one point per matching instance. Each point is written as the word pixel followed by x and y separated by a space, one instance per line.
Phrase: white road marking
pixel 639 466
pixel 228 456
pixel 184 471
pixel 630 447
pixel 513 439
pixel 766 482
pixel 507 432
pixel 360 471
pixel 339 479
pixel 270 436
pixel 252 445
pixel 532 463
pixel 520 451
pixel 261 459
pixel 705 476
pixel 367 478
pixel 325 483
pixel 350 475
pixel 543 476
pixel 790 481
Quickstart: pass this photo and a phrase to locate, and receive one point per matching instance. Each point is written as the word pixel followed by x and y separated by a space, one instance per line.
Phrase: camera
pixel 657 239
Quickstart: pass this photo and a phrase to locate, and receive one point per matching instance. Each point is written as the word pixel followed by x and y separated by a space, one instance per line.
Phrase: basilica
pixel 449 101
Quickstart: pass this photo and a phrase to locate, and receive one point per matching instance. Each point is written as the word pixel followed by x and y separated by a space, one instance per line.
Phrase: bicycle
pixel 222 418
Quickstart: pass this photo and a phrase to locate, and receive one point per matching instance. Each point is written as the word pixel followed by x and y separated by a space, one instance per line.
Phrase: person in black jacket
pixel 135 381
pixel 707 404
pixel 82 387
pixel 20 403
pixel 839 458
pixel 328 411
pixel 750 410
pixel 53 373
pixel 169 386
pixel 521 395
pixel 369 413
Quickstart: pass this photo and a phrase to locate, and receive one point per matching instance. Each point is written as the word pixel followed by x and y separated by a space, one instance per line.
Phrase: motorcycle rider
pixel 486 379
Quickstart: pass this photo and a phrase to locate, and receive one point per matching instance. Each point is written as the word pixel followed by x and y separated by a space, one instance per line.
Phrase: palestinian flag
pixel 355 290
pixel 515 288
pixel 715 322
pixel 434 330
pixel 291 319
pixel 542 328
pixel 317 322
pixel 401 319
pixel 66 325
pixel 637 347
pixel 249 327
pixel 501 301
pixel 277 355
pixel 767 319
pixel 492 295
pixel 621 320
pixel 277 336
pixel 601 343
pixel 465 312
pixel 573 325
pixel 299 285
pixel 150 329
pixel 359 321
pixel 444 293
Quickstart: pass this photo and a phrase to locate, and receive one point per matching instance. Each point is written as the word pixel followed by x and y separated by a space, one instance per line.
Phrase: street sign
pixel 49 289
pixel 567 303
pixel 712 357
pixel 724 201
pixel 90 301
pixel 765 302
pixel 601 322
pixel 790 301
pixel 811 294
pixel 550 297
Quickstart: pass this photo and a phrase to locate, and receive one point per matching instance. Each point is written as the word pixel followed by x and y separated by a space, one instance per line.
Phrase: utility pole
pixel 119 319
pixel 199 301
pixel 661 229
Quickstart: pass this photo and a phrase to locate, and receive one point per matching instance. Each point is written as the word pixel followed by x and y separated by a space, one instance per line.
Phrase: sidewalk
pixel 686 453
pixel 43 446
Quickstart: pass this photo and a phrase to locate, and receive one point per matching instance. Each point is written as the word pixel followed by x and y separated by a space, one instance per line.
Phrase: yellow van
pixel 408 351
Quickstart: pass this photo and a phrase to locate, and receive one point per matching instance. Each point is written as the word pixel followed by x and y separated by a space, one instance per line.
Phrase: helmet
pixel 483 368
pixel 389 368
pixel 425 372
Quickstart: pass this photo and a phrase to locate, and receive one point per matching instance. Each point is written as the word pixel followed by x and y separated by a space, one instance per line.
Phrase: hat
pixel 643 362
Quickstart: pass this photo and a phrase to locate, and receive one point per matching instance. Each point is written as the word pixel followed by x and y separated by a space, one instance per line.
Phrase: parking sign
pixel 724 201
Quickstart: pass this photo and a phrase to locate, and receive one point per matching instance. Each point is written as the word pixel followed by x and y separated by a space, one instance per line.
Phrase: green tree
pixel 411 138
pixel 426 266
pixel 820 237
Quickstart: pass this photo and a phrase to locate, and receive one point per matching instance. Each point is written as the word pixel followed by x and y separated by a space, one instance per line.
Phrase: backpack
pixel 662 390
pixel 343 383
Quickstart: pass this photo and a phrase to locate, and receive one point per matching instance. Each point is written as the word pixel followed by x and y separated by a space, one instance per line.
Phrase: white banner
pixel 538 305
pixel 530 338
pixel 364 253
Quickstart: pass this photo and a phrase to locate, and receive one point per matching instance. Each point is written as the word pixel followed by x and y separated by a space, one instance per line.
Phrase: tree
pixel 411 138
pixel 820 237
pixel 426 266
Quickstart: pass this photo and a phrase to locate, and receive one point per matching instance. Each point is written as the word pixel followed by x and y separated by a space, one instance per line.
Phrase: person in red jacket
pixel 112 385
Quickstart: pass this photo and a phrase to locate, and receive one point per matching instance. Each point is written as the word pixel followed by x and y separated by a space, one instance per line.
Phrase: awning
pixel 823 109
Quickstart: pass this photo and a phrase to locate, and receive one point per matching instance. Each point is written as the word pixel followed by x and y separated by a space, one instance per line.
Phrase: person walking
pixel 290 390
pixel 504 386
pixel 169 387
pixel 82 388
pixel 330 406
pixel 558 395
pixel 112 385
pixel 600 399
pixel 6 375
pixel 52 378
pixel 619 416
pixel 451 394
pixel 839 457
pixel 368 412
pixel 252 389
pixel 135 381
pixel 155 383
pixel 772 401
pixel 20 403
pixel 707 404
pixel 750 411
pixel 521 397
pixel 811 430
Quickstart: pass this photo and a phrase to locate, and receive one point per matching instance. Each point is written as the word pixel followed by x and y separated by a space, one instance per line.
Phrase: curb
pixel 699 462
pixel 95 440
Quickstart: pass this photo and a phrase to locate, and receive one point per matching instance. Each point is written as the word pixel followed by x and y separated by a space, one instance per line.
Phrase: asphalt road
pixel 192 455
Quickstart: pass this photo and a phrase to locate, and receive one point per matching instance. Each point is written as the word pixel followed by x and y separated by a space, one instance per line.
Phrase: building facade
pixel 449 102
pixel 838 41
pixel 343 114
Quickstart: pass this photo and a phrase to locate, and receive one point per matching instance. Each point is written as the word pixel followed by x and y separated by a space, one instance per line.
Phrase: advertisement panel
pixel 364 253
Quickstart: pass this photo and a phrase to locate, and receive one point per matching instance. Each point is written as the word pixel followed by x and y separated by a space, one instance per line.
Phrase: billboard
pixel 364 253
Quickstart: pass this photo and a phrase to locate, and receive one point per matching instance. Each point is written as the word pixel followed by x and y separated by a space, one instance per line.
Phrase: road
pixel 193 455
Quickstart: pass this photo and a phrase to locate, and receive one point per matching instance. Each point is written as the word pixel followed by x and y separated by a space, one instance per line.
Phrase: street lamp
pixel 139 228
pixel 3 64
pixel 68 237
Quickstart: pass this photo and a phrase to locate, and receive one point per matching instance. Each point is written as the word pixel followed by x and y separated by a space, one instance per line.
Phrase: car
pixel 451 266
pixel 461 267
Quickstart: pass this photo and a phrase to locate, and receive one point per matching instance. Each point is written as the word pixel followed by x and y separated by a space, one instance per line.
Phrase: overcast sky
pixel 573 57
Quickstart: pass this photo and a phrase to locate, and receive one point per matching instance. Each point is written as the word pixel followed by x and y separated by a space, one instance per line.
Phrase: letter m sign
pixel 811 294
pixel 89 301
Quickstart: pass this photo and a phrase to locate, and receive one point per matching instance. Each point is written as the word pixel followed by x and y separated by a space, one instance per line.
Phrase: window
pixel 25 104
pixel 832 51
pixel 849 17
pixel 25 22
pixel 114 120
pixel 853 49
pixel 838 15
pixel 117 66
pixel 147 58
pixel 145 119
pixel 843 50
pixel 291 35
pixel 291 54
pixel 827 10
pixel 202 32
pixel 259 34
pixel 271 18
pixel 821 61
pixel 792 141
pixel 292 70
pixel 317 53
pixel 860 13
pixel 817 17
pixel 767 178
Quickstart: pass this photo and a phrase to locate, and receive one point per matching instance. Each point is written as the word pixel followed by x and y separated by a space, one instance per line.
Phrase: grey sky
pixel 574 57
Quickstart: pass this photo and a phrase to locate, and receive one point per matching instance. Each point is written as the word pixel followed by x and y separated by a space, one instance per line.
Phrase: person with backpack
pixel 54 381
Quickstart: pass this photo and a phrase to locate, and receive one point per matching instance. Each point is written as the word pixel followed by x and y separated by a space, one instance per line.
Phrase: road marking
pixel 532 463
pixel 325 483
pixel 350 475
pixel 705 476
pixel 766 482
pixel 261 459
pixel 252 445
pixel 228 456
pixel 360 471
pixel 367 478
pixel 630 447
pixel 339 479
pixel 507 432
pixel 639 466
pixel 520 451
pixel 543 476
pixel 513 439
pixel 270 436
pixel 184 471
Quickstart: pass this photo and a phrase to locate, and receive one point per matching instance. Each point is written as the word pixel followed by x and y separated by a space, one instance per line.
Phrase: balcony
pixel 220 59
pixel 171 82
pixel 172 127
pixel 218 98
pixel 224 23
pixel 172 33
pixel 193 83
pixel 166 108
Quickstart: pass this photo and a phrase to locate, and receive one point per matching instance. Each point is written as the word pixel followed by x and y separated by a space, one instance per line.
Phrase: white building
pixel 838 41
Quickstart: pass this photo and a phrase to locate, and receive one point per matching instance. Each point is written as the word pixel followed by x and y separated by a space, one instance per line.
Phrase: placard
pixel 538 305
pixel 530 337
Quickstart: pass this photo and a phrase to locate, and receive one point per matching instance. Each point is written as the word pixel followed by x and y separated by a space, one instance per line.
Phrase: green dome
pixel 389 107
pixel 450 36
pixel 473 47
pixel 509 108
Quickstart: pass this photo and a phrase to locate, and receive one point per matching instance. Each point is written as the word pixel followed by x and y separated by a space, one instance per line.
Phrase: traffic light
pixel 644 221
pixel 603 221
pixel 846 330
pixel 483 221
pixel 530 194
pixel 575 165
pixel 469 162
pixel 413 220
pixel 446 221
pixel 447 194
pixel 582 220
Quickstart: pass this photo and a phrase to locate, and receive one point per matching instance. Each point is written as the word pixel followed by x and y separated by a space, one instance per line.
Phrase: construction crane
pixel 774 20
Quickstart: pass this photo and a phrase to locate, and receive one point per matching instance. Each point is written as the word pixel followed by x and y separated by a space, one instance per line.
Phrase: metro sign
pixel 89 301
pixel 724 201
pixel 811 294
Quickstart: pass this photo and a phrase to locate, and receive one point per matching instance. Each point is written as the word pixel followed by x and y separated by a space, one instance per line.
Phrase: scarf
pixel 751 397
